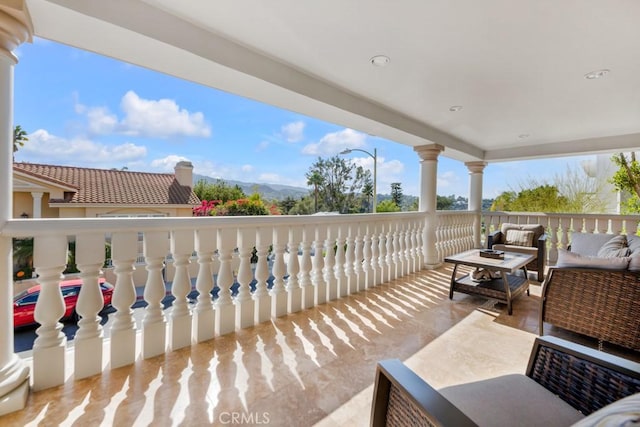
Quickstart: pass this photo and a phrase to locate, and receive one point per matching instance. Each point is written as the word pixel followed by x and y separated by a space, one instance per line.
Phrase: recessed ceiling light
pixel 455 108
pixel 596 74
pixel 380 60
pixel 523 136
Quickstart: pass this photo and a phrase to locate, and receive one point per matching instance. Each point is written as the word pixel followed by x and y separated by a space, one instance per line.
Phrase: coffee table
pixel 504 289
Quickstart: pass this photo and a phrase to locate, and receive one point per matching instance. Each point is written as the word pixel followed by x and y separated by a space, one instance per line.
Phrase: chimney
pixel 184 173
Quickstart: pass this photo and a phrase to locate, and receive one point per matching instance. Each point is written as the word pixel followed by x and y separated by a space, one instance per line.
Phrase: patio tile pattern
pixel 315 367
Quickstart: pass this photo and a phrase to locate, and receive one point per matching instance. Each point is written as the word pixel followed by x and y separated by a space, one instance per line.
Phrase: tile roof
pixel 105 186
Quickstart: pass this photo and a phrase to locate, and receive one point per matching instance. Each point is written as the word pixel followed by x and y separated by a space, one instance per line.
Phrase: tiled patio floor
pixel 315 367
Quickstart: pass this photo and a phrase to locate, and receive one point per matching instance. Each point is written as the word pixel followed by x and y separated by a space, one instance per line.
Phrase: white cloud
pixel 101 122
pixel 43 146
pixel 168 163
pixel 448 180
pixel 293 132
pixel 333 143
pixel 263 145
pixel 161 118
pixel 247 168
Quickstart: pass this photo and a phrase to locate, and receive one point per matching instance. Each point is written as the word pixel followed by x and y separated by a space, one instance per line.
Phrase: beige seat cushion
pixel 511 400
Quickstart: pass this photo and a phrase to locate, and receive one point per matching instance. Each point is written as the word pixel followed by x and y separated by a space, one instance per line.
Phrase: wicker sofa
pixel 561 379
pixel 594 296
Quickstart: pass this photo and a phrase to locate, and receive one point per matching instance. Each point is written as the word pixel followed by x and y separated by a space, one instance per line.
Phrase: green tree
pixel 304 206
pixel 445 203
pixel 218 190
pixel 19 138
pixel 341 186
pixel 544 198
pixel 286 205
pixel 396 193
pixel 387 206
pixel 627 179
pixel 367 192
pixel 315 179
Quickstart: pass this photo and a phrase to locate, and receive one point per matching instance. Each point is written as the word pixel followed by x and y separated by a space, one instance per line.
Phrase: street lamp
pixel 375 171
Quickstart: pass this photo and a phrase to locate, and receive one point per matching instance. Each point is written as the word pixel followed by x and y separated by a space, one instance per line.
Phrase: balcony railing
pixel 302 261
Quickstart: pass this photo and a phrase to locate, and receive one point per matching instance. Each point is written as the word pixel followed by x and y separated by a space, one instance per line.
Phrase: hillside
pixel 267 191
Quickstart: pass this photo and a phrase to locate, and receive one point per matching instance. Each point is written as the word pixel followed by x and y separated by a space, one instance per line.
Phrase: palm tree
pixel 19 137
pixel 316 180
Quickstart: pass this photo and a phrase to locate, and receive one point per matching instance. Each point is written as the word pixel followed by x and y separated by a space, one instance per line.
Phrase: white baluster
pixel 319 284
pixel 402 250
pixel 88 339
pixel 305 268
pixel 414 246
pixel 391 270
pixel 203 315
pixel 154 324
pixel 350 257
pixel 359 255
pixel 245 306
pixel 375 254
pixel 366 257
pixel 180 319
pixel 330 263
pixel 294 291
pixel 396 268
pixel 225 310
pixel 124 250
pixel 50 256
pixel 419 242
pixel 339 268
pixel 261 295
pixel 382 248
pixel 278 292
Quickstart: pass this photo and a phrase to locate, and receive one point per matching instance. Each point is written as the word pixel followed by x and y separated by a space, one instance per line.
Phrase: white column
pixel 14 373
pixel 428 200
pixel 475 196
pixel 37 204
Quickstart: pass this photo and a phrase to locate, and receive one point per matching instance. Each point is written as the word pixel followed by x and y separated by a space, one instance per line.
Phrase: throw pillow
pixel 624 412
pixel 588 243
pixel 519 238
pixel 614 247
pixel 568 259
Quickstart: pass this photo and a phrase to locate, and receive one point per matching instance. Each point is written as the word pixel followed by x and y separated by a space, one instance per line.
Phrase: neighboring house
pixel 50 191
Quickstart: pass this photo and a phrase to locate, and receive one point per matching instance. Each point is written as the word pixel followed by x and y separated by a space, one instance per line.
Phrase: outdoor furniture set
pixel 594 290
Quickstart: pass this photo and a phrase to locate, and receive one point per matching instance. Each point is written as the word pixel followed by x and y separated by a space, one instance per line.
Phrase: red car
pixel 24 304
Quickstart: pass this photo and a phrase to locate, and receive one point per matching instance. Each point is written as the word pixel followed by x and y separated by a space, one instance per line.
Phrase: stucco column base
pixel 432 266
pixel 14 386
pixel 16 400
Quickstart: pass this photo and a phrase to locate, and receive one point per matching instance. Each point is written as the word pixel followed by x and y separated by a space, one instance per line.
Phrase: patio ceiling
pixel 517 68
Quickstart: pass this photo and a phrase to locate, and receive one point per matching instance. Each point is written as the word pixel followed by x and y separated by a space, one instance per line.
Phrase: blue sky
pixel 82 109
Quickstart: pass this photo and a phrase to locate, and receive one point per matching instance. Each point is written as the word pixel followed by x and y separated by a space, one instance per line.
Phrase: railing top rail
pixel 562 215
pixel 51 226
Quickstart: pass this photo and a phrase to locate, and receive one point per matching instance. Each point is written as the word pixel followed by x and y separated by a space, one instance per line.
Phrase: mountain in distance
pixel 267 191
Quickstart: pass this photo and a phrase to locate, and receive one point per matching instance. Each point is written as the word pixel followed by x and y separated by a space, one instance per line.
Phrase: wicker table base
pixel 504 289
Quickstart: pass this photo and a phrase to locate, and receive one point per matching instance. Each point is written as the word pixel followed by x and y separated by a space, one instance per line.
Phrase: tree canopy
pixel 627 179
pixel 218 190
pixel 338 184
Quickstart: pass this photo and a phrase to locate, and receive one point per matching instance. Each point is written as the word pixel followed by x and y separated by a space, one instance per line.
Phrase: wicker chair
pixel 561 379
pixel 499 240
pixel 602 304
